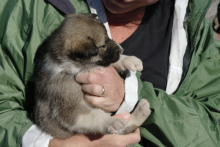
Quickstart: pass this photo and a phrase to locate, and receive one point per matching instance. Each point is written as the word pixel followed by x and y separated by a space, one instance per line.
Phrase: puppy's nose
pixel 121 50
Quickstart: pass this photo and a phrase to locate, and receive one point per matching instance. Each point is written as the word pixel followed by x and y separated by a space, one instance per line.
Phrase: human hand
pixel 109 140
pixel 93 83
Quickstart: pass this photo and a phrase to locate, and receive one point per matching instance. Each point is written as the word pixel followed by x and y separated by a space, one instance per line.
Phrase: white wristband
pixel 131 93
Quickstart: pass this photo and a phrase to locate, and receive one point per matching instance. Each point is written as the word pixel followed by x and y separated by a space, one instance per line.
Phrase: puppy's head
pixel 86 41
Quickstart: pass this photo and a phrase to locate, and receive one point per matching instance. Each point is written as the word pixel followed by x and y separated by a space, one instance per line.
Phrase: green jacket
pixel 187 118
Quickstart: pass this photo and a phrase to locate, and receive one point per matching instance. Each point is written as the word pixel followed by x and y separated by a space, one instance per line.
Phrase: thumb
pixel 125 116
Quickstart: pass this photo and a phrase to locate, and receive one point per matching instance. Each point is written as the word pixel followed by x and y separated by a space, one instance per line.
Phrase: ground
pixel 211 14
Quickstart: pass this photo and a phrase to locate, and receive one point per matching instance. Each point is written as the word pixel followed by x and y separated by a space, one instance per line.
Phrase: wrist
pixel 55 142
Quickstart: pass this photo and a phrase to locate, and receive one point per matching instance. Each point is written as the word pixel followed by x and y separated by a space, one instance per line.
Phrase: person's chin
pixel 117 6
pixel 122 2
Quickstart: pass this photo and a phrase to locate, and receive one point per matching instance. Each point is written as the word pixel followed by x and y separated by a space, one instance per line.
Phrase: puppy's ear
pixel 93 15
pixel 84 49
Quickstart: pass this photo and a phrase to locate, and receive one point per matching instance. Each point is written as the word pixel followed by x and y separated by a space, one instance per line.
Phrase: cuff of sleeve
pixel 33 137
pixel 131 93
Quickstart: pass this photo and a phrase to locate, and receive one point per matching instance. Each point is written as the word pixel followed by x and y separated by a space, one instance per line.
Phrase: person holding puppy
pixel 180 77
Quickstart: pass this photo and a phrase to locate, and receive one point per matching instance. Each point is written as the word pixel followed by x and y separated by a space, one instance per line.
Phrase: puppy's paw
pixel 128 62
pixel 117 126
pixel 133 63
pixel 143 108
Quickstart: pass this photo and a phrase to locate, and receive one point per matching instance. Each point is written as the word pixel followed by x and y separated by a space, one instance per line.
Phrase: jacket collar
pixel 197 11
pixel 65 6
pixel 96 7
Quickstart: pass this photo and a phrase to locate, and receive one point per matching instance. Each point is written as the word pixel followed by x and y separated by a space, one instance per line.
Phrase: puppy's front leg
pixel 138 117
pixel 98 121
pixel 128 62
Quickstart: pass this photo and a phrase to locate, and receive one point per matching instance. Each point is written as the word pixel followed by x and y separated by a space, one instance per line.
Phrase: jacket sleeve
pixel 24 25
pixel 187 120
pixel 190 116
pixel 14 119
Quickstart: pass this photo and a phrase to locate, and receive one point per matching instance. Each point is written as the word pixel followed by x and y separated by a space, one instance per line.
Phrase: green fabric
pixel 24 25
pixel 189 117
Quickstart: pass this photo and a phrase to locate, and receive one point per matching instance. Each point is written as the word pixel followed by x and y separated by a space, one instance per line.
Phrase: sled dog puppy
pixel 79 45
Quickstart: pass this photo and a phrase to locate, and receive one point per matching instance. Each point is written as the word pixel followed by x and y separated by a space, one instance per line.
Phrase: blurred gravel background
pixel 211 14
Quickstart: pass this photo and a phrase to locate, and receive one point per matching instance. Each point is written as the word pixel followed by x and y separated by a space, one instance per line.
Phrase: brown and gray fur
pixel 79 45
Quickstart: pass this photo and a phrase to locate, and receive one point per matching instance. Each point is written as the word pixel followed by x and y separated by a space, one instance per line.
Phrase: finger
pixel 125 116
pixel 124 140
pixel 95 101
pixel 131 138
pixel 94 89
pixel 101 102
pixel 118 140
pixel 91 77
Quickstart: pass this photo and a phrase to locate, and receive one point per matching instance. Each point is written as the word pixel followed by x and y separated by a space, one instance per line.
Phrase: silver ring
pixel 103 90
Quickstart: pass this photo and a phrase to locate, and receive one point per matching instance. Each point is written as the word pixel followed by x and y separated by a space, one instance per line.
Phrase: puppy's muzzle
pixel 121 50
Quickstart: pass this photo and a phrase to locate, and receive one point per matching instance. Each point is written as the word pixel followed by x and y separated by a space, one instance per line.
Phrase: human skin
pixel 123 6
pixel 111 140
pixel 117 12
pixel 103 77
pixel 121 27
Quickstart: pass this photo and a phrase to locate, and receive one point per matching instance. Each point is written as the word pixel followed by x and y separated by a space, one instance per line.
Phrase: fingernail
pixel 126 116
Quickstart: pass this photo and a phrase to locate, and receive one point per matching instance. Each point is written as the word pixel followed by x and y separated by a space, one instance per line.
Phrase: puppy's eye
pixel 107 39
pixel 103 46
